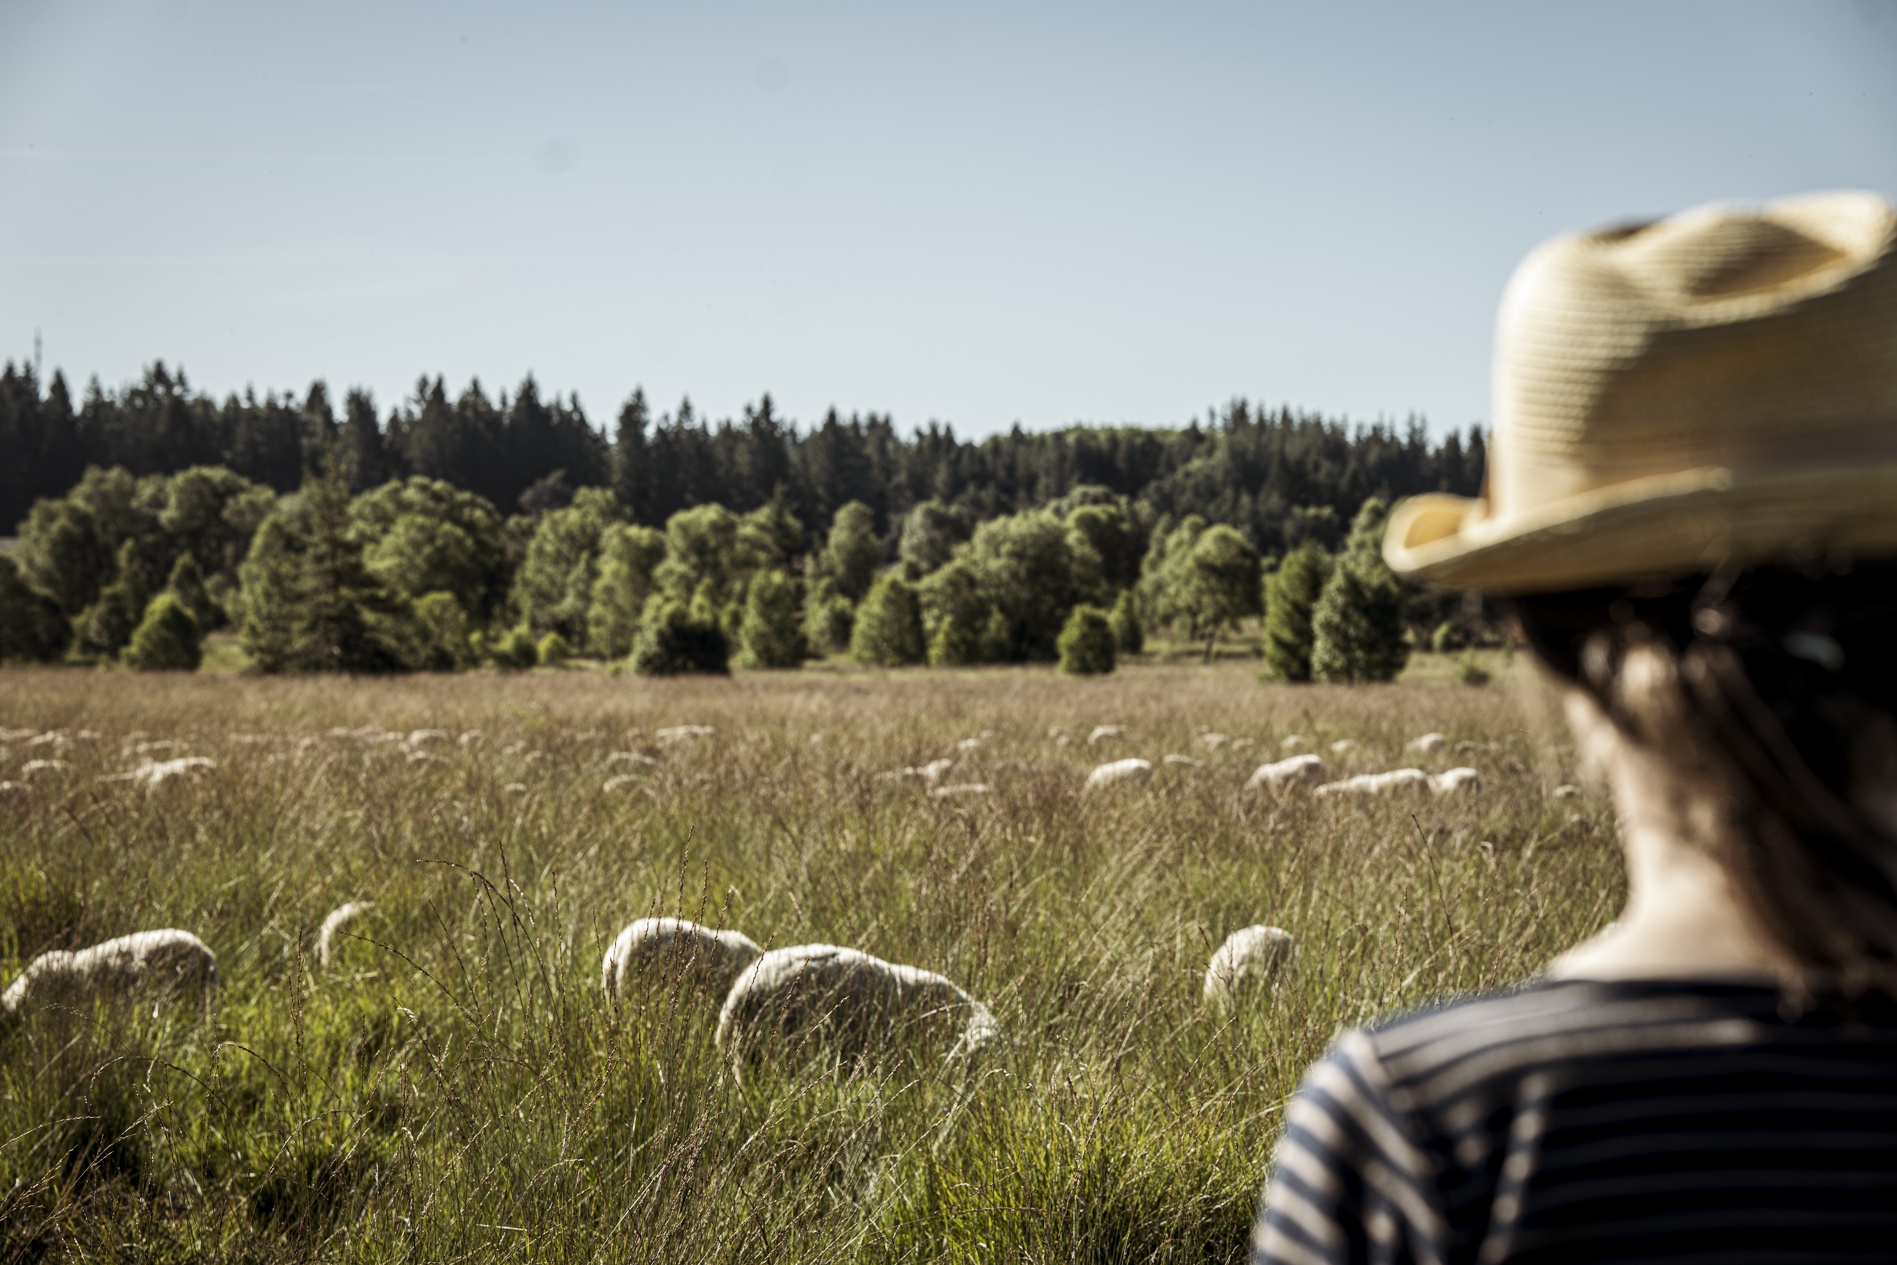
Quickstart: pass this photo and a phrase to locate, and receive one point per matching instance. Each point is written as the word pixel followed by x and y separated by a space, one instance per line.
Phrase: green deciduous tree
pixel 852 555
pixel 166 639
pixel 553 589
pixel 1086 643
pixel 186 583
pixel 828 617
pixel 310 605
pixel 32 627
pixel 888 631
pixel 1291 593
pixel 1129 637
pixel 772 634
pixel 1357 627
pixel 930 533
pixel 63 552
pixel 443 635
pixel 629 556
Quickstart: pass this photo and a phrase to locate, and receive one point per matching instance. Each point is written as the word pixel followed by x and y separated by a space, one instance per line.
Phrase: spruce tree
pixel 1086 643
pixel 772 634
pixel 1291 593
pixel 167 638
pixel 1357 626
pixel 888 630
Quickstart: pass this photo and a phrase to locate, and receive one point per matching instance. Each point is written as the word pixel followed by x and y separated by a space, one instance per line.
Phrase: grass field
pixel 457 1089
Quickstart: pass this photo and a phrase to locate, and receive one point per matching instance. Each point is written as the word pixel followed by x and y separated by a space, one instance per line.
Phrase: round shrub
pixel 166 639
pixel 552 651
pixel 673 641
pixel 1086 642
pixel 516 649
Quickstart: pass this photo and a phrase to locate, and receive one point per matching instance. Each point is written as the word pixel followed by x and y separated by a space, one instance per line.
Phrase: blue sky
pixel 972 213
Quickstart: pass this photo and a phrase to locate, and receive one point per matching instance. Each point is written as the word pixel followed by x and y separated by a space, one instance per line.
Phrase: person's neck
pixel 1685 917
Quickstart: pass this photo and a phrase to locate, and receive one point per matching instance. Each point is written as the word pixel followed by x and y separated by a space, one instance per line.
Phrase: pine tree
pixel 1086 643
pixel 888 631
pixel 167 638
pixel 1357 627
pixel 772 634
pixel 1291 593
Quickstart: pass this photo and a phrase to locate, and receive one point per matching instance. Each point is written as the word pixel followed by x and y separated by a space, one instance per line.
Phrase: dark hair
pixel 1774 688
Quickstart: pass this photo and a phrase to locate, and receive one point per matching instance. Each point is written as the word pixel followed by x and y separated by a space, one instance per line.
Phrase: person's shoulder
pixel 1550 1020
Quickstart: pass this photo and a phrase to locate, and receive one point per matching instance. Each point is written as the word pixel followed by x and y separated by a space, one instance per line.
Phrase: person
pixel 1690 517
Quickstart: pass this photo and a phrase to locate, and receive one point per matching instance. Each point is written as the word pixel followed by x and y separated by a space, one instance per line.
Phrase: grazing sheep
pixel 1114 772
pixel 957 790
pixel 1297 770
pixel 1455 781
pixel 1105 733
pixel 1427 743
pixel 155 773
pixel 1250 958
pixel 334 922
pixel 1375 783
pixel 163 960
pixel 661 951
pixel 794 1002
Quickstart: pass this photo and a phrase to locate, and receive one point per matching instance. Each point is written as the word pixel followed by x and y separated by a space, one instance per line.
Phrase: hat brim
pixel 1671 524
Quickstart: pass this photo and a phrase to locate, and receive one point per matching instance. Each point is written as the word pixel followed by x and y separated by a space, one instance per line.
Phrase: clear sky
pixel 967 212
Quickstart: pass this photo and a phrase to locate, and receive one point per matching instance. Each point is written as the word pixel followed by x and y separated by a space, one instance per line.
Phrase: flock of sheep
pixel 787 1002
pixel 778 1005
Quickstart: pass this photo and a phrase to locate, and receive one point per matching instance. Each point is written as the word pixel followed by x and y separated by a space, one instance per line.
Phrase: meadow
pixel 456 1088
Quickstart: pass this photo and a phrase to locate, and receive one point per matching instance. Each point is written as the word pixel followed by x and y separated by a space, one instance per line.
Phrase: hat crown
pixel 1716 386
pixel 1712 254
pixel 1723 336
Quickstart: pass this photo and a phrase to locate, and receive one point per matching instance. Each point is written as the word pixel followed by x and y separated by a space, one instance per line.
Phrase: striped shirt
pixel 1596 1121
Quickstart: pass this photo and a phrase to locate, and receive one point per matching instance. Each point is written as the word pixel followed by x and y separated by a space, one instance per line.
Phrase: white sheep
pixel 1250 958
pixel 813 998
pixel 1427 743
pixel 334 922
pixel 1114 772
pixel 1455 781
pixel 1297 770
pixel 166 960
pixel 659 951
pixel 959 790
pixel 1375 783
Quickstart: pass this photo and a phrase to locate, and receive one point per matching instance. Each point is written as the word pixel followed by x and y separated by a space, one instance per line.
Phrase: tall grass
pixel 455 1087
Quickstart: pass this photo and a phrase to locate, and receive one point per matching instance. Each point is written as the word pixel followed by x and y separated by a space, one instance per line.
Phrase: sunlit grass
pixel 455 1086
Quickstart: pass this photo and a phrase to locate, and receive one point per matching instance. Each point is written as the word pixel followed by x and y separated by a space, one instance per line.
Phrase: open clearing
pixel 455 1087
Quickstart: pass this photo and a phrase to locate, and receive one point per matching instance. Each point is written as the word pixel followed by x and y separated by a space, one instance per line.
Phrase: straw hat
pixel 1716 386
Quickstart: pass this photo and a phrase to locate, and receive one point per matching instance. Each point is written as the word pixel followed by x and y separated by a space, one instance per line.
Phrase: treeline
pixel 1278 477
pixel 418 574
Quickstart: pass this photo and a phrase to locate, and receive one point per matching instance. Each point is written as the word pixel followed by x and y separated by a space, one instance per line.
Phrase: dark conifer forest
pixel 1279 475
